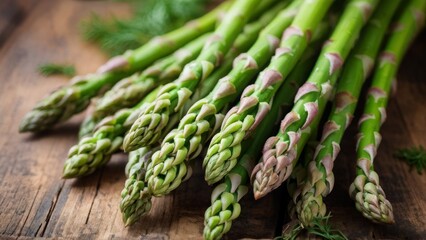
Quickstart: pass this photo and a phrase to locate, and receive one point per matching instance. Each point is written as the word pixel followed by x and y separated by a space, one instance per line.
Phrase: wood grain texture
pixel 36 202
pixel 12 13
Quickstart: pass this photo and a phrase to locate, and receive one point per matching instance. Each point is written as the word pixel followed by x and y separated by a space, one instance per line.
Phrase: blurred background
pixel 81 35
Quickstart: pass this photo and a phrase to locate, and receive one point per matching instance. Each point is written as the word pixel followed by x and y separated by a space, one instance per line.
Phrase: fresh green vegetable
pixel 129 91
pixel 255 100
pixel 320 179
pixel 369 197
pixel 149 126
pixel 225 207
pixel 95 150
pixel 75 97
pixel 280 151
pixel 135 197
pixel 204 116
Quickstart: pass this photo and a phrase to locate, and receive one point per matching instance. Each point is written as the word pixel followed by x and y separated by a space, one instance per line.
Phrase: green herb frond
pixel 320 227
pixel 56 69
pixel 150 18
pixel 291 232
pixel 415 157
pixel 95 28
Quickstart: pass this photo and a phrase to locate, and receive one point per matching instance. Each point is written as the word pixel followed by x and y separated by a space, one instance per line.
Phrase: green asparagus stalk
pixel 205 115
pixel 131 90
pixel 366 191
pixel 225 197
pixel 279 157
pixel 131 201
pixel 223 161
pixel 75 97
pixel 94 151
pixel 133 158
pixel 88 125
pixel 124 93
pixel 319 181
pixel 122 120
pixel 148 127
pixel 135 197
pixel 299 175
pixel 254 104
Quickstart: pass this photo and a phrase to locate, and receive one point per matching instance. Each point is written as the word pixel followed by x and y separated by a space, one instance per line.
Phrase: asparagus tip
pixel 68 175
pixel 115 63
pixel 132 208
pixel 128 144
pixel 32 122
pixel 70 172
pixel 23 127
pixel 128 222
pixel 258 195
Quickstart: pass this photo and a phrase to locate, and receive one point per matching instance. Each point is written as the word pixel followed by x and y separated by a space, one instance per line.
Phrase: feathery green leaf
pixel 150 18
pixel 56 69
pixel 320 227
pixel 414 157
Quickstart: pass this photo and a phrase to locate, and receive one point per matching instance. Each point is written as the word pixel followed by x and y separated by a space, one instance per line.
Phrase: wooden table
pixel 36 202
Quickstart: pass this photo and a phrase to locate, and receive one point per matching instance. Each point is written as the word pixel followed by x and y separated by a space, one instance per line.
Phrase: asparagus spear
pixel 135 197
pixel 131 200
pixel 131 90
pixel 148 127
pixel 254 103
pixel 205 115
pixel 320 179
pixel 88 125
pixel 369 196
pixel 222 162
pixel 225 197
pixel 89 122
pixel 296 79
pixel 94 151
pixel 75 97
pixel 122 117
pixel 115 126
pixel 280 151
pixel 299 175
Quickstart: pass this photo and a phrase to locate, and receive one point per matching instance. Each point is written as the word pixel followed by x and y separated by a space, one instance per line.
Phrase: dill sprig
pixel 414 157
pixel 56 69
pixel 150 18
pixel 320 227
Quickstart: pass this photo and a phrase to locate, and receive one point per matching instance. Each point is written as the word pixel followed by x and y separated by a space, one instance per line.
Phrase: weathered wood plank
pixel 35 202
pixel 12 13
pixel 31 170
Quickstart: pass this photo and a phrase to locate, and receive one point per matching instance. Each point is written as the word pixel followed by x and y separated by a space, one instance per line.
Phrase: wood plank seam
pixel 98 185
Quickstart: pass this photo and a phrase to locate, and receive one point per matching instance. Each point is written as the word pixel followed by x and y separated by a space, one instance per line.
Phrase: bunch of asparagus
pixel 286 61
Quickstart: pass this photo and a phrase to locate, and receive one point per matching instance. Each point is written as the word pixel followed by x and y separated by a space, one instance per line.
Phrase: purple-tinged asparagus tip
pixel 114 63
